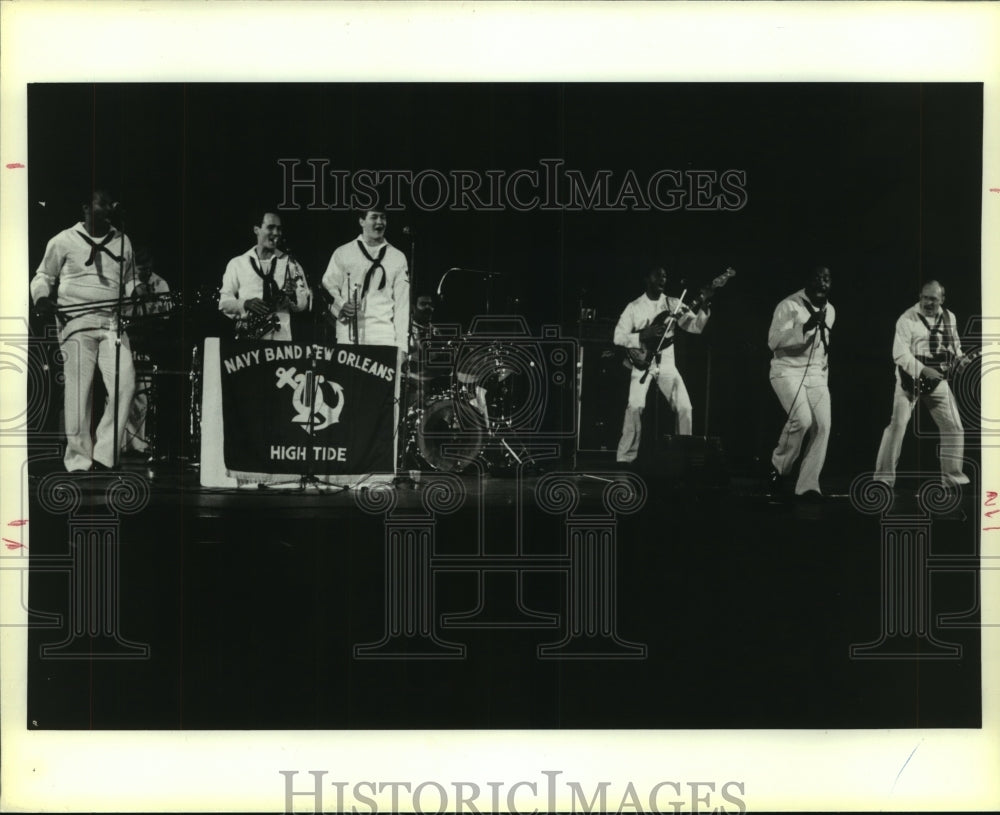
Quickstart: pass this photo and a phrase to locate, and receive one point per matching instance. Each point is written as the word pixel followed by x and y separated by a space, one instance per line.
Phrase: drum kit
pixel 469 396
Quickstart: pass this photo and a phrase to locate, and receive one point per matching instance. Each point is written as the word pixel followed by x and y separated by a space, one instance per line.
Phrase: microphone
pixel 409 231
pixel 115 213
pixel 474 271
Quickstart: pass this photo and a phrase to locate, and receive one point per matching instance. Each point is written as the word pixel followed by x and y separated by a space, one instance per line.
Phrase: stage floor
pixel 583 599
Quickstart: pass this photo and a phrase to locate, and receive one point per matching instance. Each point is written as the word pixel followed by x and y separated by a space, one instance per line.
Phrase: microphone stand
pixel 325 316
pixel 708 382
pixel 403 478
pixel 311 386
pixel 118 339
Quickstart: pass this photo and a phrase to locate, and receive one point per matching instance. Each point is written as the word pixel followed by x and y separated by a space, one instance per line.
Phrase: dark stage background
pixel 252 603
pixel 879 181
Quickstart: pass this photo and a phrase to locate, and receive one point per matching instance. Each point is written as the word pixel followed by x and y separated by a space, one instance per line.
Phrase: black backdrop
pixel 882 182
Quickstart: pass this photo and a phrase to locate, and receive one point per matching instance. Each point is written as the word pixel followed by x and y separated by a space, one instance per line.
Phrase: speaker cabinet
pixel 603 392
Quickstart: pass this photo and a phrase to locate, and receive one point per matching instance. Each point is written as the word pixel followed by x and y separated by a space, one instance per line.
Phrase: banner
pixel 266 413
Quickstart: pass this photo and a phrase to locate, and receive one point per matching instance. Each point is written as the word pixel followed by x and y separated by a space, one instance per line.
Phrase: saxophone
pixel 253 327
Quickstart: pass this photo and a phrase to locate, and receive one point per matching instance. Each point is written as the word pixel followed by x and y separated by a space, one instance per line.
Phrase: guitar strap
pixel 950 341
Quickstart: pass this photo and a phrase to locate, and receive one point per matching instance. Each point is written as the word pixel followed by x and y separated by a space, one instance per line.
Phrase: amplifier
pixel 602 329
pixel 603 392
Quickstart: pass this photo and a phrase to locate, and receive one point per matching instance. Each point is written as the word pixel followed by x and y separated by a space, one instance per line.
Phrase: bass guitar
pixel 949 369
pixel 642 357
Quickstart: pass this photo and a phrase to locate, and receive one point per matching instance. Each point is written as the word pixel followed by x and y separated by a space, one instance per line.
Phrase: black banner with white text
pixel 266 407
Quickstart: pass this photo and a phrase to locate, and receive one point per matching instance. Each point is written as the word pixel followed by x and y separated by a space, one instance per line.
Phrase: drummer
pixel 423 316
pixel 144 289
pixel 471 379
pixel 143 292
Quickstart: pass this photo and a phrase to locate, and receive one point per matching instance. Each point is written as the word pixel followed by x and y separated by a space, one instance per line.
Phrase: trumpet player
pixel 264 285
pixel 369 284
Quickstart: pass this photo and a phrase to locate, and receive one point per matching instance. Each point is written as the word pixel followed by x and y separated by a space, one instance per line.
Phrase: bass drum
pixel 504 383
pixel 444 442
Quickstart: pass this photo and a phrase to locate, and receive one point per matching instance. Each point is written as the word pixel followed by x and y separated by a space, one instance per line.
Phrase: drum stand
pixel 407 430
pixel 503 446
pixel 183 451
pixel 194 408
pixel 402 477
pixel 499 443
pixel 151 418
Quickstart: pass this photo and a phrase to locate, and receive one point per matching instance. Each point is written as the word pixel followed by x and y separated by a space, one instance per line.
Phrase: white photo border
pixel 662 42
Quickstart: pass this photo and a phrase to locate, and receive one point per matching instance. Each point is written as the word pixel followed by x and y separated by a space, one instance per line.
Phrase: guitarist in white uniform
pixel 925 349
pixel 636 331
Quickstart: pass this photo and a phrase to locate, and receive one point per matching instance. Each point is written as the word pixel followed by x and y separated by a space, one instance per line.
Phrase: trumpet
pixel 354 317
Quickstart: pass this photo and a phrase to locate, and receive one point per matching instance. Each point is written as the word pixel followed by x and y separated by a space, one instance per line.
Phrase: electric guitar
pixel 642 357
pixel 949 369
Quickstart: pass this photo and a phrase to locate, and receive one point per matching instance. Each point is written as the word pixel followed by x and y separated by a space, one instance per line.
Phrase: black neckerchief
pixel 934 345
pixel 376 264
pixel 96 249
pixel 824 329
pixel 270 287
